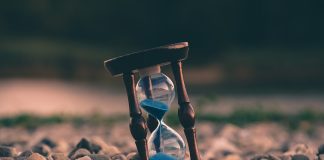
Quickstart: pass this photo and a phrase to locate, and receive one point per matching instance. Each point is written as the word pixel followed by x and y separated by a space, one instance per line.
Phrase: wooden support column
pixel 137 124
pixel 185 112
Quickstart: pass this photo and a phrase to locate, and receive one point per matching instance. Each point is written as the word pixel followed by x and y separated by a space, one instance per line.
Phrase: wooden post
pixel 185 112
pixel 137 124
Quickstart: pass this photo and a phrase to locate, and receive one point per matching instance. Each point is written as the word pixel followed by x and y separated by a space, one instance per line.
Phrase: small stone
pixel 226 152
pixel 59 156
pixel 36 156
pixel 7 151
pixel 284 147
pixel 265 157
pixel 49 142
pixel 301 149
pixel 42 149
pixel 133 156
pixel 99 146
pixel 299 157
pixel 99 157
pixel 110 150
pixel 61 147
pixel 84 143
pixel 80 153
pixel 321 149
pixel 72 152
pixel 84 158
pixel 119 157
pixel 24 155
pixel 232 157
pixel 285 157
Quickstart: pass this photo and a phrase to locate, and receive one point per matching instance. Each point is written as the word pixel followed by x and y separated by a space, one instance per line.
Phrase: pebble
pixel 299 157
pixel 84 143
pixel 99 146
pixel 81 152
pixel 7 151
pixel 133 156
pixel 320 149
pixel 61 147
pixel 99 157
pixel 110 150
pixel 301 149
pixel 84 158
pixel 24 155
pixel 265 157
pixel 36 156
pixel 59 156
pixel 49 142
pixel 42 149
pixel 119 157
pixel 232 157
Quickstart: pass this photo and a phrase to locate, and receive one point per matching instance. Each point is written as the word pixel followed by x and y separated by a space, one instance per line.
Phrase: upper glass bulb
pixel 155 86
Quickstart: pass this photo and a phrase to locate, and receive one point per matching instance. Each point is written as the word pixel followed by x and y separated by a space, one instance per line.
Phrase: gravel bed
pixel 216 141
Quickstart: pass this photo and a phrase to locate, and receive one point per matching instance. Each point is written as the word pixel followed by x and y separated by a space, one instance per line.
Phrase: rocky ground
pixel 216 141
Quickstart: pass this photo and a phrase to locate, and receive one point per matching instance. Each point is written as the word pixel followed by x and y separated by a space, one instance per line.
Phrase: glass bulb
pixel 165 143
pixel 157 87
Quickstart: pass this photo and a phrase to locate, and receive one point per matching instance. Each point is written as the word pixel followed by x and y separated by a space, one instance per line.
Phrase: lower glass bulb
pixel 166 144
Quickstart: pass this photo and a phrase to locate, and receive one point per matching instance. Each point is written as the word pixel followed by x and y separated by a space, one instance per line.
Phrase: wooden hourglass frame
pixel 129 64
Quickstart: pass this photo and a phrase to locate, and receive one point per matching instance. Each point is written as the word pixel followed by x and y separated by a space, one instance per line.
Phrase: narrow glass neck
pixel 149 71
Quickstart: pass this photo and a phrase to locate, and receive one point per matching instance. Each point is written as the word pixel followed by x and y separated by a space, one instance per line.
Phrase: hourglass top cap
pixel 154 56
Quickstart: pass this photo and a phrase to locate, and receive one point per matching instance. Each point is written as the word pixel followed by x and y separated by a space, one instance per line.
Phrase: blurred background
pixel 264 54
pixel 255 64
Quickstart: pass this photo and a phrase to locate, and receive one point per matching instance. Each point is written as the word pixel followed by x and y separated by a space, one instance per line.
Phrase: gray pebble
pixel 80 153
pixel 49 142
pixel 100 147
pixel 265 157
pixel 84 143
pixel 42 149
pixel 321 149
pixel 7 151
pixel 299 157
pixel 84 158
pixel 59 156
pixel 119 157
pixel 99 157
pixel 24 155
pixel 36 156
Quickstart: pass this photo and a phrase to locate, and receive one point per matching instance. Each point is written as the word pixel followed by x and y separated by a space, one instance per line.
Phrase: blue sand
pixel 155 108
pixel 162 156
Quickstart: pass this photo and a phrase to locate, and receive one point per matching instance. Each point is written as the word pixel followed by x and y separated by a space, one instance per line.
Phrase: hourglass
pixel 154 93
